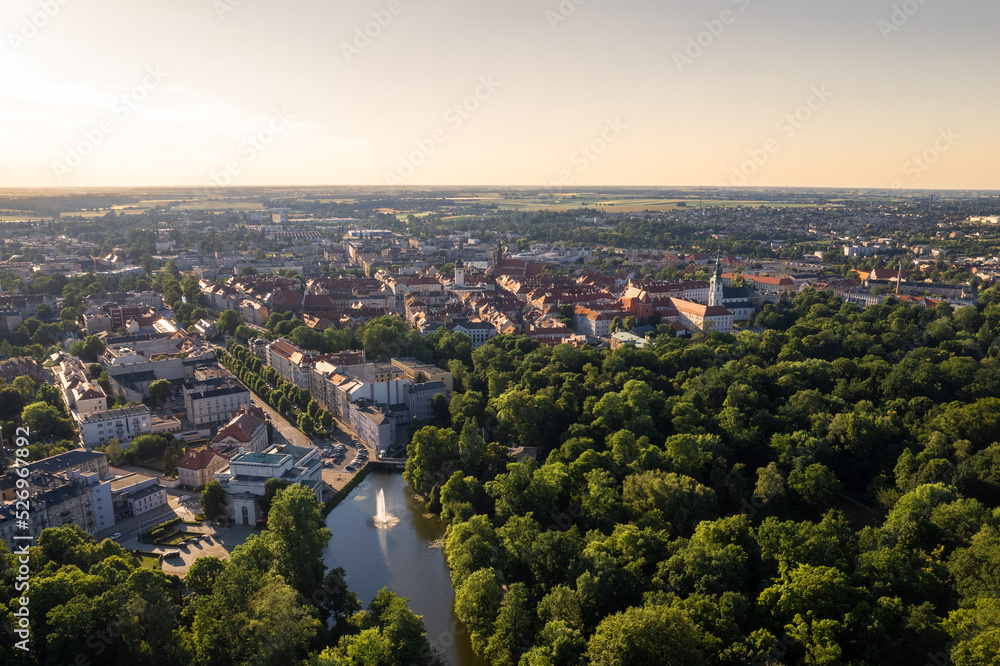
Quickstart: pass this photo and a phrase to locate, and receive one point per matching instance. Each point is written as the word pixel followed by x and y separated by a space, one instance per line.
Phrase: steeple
pixel 459 268
pixel 715 290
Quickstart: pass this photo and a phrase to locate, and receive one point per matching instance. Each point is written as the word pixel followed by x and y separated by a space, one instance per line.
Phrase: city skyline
pixel 572 93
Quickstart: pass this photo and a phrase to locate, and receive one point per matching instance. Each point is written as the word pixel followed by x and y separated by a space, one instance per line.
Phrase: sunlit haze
pixel 854 93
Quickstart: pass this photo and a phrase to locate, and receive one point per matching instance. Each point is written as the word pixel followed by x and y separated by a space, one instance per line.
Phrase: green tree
pixel 271 488
pixel 228 322
pixel 512 631
pixel 477 603
pixel 298 537
pixel 202 574
pixel 44 420
pixel 648 635
pixel 160 391
pixel 213 500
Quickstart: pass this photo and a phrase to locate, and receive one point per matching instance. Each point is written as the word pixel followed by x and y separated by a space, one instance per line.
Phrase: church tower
pixel 715 291
pixel 459 268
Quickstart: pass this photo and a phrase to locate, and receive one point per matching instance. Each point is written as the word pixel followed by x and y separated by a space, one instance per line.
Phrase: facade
pixel 595 322
pixel 123 424
pixel 81 499
pixel 211 403
pixel 479 332
pixel 373 426
pixel 418 372
pixel 136 494
pixel 244 477
pixel 147 499
pixel 198 467
pixel 419 398
pixel 247 430
pixel 703 318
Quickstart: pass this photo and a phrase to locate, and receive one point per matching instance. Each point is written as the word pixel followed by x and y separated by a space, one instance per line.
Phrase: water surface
pixel 407 558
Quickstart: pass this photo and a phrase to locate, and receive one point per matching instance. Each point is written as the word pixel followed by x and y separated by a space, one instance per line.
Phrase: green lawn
pixel 149 561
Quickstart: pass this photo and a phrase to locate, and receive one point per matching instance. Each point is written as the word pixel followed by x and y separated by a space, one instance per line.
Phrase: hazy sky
pixel 866 93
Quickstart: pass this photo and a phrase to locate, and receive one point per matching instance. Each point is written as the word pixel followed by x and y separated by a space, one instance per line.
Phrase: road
pixel 290 433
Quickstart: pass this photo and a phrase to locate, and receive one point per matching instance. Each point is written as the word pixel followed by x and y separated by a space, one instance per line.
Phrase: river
pixel 407 558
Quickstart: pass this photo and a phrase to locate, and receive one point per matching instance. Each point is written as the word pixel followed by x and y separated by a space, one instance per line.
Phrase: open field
pixel 626 205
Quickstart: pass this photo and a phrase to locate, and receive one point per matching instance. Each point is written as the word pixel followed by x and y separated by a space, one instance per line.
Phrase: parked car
pixel 116 536
pixel 171 554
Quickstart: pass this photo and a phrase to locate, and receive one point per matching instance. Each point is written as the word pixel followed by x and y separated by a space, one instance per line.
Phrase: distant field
pixel 625 205
pixel 217 204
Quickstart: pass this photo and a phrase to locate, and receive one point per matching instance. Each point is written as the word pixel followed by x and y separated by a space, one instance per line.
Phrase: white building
pixel 244 478
pixel 123 424
pixel 479 332
pixel 212 402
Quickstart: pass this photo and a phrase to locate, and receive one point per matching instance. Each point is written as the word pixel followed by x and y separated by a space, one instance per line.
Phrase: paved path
pixel 290 433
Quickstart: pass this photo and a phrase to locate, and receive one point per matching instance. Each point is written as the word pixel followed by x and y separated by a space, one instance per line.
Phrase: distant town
pixel 235 344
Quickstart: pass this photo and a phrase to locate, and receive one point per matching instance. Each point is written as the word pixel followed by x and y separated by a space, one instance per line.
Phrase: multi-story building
pixel 78 498
pixel 124 424
pixel 247 430
pixel 419 399
pixel 244 477
pixel 76 460
pixel 135 494
pixel 480 332
pixel 705 318
pixel 13 368
pixel 374 426
pixel 211 403
pixel 418 372
pixel 198 467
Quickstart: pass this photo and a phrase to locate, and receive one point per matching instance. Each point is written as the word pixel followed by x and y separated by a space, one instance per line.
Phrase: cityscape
pixel 540 334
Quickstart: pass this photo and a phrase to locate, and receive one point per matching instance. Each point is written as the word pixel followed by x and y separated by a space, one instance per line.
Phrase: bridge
pixel 395 463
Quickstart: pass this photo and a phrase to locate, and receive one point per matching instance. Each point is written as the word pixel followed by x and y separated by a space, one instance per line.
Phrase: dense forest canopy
pixel 823 493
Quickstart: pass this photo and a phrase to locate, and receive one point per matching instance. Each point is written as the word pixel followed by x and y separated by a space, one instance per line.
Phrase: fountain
pixel 383 519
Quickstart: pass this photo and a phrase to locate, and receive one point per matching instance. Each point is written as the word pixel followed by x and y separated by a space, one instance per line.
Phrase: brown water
pixel 407 558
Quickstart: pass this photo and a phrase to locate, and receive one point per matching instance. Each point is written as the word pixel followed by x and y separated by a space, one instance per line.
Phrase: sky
pixel 560 93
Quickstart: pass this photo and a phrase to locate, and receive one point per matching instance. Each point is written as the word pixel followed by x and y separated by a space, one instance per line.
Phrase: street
pixel 288 432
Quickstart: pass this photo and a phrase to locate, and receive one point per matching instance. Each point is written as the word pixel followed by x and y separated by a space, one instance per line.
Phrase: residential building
pixel 247 430
pixel 136 494
pixel 198 467
pixel 480 332
pixel 78 498
pixel 419 398
pixel 77 460
pixel 211 403
pixel 123 424
pixel 418 372
pixel 373 426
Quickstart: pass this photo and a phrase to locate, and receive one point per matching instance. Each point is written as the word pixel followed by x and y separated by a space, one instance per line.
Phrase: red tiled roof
pixel 197 459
